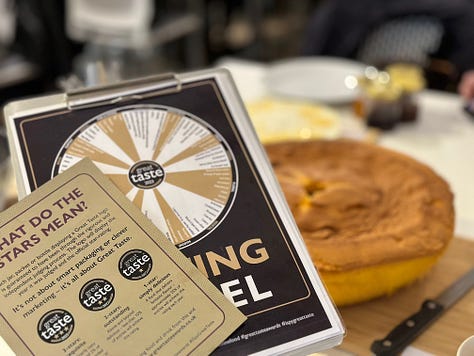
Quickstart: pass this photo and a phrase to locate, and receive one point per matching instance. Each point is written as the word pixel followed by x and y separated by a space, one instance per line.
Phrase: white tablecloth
pixel 442 137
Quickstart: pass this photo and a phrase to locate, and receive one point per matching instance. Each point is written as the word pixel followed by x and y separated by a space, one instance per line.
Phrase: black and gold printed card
pixel 186 154
pixel 83 272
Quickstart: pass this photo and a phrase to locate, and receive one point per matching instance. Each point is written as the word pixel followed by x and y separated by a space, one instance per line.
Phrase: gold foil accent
pixel 213 184
pixel 178 231
pixel 116 128
pixel 81 148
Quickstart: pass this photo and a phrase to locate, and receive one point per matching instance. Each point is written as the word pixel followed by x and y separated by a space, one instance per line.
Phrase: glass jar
pixel 410 80
pixel 380 102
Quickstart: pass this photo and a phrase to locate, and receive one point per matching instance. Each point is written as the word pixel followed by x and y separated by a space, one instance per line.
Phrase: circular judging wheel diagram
pixel 171 164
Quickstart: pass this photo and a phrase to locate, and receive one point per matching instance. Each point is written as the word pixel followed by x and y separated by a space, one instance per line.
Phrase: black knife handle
pixel 407 331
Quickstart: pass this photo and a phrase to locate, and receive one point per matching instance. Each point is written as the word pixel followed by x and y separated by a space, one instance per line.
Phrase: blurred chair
pixel 414 39
pixel 411 39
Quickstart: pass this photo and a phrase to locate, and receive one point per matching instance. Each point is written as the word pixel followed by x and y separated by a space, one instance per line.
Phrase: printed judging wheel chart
pixel 171 164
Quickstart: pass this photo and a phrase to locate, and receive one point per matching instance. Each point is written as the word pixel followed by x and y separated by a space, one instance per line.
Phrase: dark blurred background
pixel 40 52
pixel 47 45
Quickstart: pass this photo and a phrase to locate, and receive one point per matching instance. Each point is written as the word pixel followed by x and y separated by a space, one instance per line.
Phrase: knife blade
pixel 431 309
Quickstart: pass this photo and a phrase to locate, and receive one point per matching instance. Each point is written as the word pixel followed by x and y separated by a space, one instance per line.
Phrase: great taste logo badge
pixel 97 294
pixel 55 326
pixel 146 174
pixel 135 264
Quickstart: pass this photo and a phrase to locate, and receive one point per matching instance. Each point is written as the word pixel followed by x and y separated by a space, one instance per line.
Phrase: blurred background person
pixel 466 85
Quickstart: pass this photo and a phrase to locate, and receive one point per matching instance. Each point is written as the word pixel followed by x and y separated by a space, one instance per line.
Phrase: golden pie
pixel 372 219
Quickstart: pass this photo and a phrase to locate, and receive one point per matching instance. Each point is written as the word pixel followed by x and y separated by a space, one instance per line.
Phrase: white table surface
pixel 442 137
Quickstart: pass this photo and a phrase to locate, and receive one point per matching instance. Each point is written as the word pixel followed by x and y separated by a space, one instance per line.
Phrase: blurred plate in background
pixel 278 120
pixel 314 78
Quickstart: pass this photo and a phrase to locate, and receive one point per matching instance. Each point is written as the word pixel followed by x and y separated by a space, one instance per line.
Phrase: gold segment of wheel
pixel 121 181
pixel 115 127
pixel 81 148
pixel 202 145
pixel 138 200
pixel 178 231
pixel 214 184
pixel 169 125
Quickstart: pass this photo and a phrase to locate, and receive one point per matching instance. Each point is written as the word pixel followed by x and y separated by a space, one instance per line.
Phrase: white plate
pixel 314 78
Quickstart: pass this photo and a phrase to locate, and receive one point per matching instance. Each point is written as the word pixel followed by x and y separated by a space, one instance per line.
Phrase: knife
pixel 431 309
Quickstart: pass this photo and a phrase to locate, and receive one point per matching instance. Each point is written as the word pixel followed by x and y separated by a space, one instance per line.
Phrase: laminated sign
pixel 183 150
